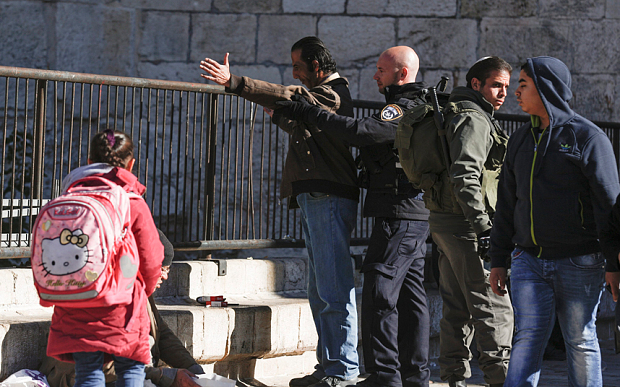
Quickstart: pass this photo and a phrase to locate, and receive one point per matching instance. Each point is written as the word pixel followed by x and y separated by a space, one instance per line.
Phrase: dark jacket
pixel 389 192
pixel 477 147
pixel 559 183
pixel 316 161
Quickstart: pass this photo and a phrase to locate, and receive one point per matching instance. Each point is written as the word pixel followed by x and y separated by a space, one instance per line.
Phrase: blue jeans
pixel 89 373
pixel 570 287
pixel 327 223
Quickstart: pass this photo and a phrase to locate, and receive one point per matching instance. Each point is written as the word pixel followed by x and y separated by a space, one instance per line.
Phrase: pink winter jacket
pixel 118 330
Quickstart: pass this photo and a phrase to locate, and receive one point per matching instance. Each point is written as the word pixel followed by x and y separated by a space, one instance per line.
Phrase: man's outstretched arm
pixel 359 132
pixel 261 92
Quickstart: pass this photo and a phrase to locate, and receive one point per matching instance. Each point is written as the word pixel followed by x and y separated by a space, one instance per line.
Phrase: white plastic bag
pixel 26 378
pixel 213 380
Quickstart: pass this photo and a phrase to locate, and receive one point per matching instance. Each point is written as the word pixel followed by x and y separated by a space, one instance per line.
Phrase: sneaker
pixel 334 381
pixel 305 381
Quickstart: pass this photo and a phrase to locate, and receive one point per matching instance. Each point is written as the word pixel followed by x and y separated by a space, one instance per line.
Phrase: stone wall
pixel 166 39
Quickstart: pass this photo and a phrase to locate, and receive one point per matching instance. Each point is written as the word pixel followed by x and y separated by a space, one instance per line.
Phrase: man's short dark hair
pixel 313 48
pixel 483 68
pixel 526 69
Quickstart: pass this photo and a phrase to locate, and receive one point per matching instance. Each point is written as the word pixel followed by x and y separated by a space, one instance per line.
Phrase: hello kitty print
pixel 71 258
pixel 66 254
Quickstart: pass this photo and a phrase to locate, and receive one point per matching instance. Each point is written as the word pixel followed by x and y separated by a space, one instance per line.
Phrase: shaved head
pixel 396 66
pixel 404 56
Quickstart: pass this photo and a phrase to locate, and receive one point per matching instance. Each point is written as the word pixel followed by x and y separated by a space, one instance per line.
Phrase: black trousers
pixel 395 317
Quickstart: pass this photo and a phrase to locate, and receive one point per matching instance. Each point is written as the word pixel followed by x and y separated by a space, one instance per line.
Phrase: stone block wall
pixel 165 39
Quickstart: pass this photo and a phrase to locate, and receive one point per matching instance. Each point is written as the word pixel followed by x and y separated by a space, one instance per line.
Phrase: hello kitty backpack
pixel 84 253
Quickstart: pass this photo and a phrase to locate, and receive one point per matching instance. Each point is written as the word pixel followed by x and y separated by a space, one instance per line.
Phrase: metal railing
pixel 211 162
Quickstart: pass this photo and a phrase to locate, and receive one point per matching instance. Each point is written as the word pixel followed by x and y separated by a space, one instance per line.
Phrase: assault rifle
pixel 439 121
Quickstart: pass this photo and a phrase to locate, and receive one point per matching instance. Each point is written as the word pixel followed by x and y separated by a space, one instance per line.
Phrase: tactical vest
pixel 421 156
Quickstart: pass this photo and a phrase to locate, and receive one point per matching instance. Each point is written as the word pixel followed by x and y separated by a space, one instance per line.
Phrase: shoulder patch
pixel 391 112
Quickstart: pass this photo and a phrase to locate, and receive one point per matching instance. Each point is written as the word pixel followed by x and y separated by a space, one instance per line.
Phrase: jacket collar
pixel 82 172
pixel 120 176
pixel 330 78
pixel 463 93
pixel 408 90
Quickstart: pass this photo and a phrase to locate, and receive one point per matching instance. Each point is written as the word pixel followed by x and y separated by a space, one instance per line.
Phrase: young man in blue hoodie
pixel 556 190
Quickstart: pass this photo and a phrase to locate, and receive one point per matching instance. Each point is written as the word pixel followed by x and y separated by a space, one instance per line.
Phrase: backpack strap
pixel 94 179
pixel 134 195
pixel 469 106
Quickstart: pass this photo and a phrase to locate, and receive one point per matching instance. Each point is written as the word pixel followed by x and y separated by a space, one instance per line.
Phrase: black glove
pixel 484 244
pixel 298 109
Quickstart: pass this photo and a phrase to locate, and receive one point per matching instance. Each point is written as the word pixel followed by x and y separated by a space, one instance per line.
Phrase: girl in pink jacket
pixel 90 336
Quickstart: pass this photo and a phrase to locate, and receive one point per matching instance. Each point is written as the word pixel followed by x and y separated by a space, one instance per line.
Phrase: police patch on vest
pixel 391 112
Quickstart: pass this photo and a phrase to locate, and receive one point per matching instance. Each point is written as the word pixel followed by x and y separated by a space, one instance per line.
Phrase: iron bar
pixel 66 76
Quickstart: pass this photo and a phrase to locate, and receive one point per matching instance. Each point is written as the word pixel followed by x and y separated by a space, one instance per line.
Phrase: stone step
pixel 260 337
pixel 270 332
pixel 272 321
pixel 260 328
pixel 254 278
pixel 23 338
pixel 235 278
pixel 231 338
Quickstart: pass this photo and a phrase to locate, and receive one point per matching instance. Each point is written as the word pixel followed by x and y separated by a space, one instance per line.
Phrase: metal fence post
pixel 211 157
pixel 39 138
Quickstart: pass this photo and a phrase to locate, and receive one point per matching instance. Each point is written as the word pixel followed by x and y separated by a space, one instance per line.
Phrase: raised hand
pixel 218 73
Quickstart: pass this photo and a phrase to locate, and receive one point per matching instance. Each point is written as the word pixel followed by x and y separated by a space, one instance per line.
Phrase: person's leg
pixel 414 317
pixel 533 300
pixel 379 314
pixel 316 306
pixel 455 333
pixel 129 373
pixel 555 349
pixel 617 331
pixel 394 247
pixel 88 369
pixel 579 284
pixel 330 221
pixel 492 315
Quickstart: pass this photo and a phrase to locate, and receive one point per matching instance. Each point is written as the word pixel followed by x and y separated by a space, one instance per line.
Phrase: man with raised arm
pixel 320 176
pixel 395 318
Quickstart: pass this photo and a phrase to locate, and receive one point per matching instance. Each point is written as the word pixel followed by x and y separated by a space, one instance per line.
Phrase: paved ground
pixel 553 374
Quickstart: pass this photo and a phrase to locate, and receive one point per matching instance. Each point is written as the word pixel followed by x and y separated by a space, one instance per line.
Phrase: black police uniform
pixel 395 318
